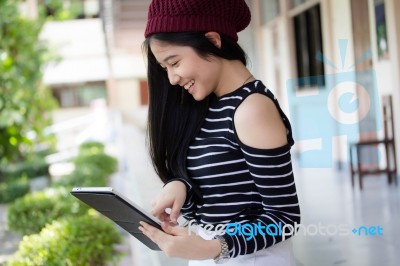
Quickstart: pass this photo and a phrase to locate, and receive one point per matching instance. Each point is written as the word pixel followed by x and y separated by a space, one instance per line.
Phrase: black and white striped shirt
pixel 239 183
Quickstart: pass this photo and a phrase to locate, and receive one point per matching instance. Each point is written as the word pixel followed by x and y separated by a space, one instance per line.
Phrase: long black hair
pixel 174 116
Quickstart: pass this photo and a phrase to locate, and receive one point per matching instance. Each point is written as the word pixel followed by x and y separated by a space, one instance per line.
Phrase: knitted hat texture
pixel 223 16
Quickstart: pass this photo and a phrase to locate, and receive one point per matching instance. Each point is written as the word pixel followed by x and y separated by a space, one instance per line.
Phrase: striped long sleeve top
pixel 239 183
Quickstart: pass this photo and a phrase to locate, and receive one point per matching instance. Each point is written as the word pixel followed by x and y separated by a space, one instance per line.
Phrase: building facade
pixel 329 62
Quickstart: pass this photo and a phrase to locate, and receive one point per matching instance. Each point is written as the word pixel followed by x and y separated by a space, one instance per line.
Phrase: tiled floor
pixel 326 197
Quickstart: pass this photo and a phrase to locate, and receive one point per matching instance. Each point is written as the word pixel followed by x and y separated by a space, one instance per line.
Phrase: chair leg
pixel 388 167
pixel 360 173
pixel 394 162
pixel 351 165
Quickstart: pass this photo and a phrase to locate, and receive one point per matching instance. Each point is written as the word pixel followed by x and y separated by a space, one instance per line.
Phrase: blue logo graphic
pixel 287 230
pixel 368 231
pixel 345 106
pixel 251 230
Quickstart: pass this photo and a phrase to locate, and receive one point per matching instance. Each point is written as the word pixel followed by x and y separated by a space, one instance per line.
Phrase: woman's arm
pixel 265 140
pixel 258 123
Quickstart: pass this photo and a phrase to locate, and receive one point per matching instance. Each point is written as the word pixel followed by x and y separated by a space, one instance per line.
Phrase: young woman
pixel 218 139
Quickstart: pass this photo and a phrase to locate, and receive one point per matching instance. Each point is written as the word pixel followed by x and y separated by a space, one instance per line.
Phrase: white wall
pixel 337 26
pixel 81 48
pixel 341 25
pixel 127 94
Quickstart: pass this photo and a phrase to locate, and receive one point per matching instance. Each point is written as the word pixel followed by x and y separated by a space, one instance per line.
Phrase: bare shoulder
pixel 259 124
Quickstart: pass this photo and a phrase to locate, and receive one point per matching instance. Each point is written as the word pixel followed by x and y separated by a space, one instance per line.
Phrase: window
pixel 79 95
pixel 308 41
pixel 270 10
pixel 381 29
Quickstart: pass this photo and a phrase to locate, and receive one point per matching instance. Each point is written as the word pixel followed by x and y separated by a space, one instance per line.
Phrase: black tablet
pixel 119 209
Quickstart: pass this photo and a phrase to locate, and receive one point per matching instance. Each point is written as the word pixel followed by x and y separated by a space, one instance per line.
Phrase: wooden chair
pixel 388 142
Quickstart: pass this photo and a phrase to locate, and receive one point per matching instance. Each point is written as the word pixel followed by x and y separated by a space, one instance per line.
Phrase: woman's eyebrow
pixel 169 57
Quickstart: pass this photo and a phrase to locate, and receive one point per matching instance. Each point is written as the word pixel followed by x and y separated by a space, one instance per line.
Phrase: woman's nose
pixel 173 77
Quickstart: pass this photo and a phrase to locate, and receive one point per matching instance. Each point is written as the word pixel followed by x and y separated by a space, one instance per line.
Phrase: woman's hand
pixel 176 242
pixel 172 196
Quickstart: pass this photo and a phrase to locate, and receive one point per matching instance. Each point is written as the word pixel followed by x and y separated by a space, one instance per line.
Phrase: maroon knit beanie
pixel 223 16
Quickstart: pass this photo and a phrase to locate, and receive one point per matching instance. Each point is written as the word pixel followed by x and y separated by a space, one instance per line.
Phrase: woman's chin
pixel 198 97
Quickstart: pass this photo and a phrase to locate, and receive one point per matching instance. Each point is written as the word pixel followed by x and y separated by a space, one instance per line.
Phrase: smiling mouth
pixel 189 85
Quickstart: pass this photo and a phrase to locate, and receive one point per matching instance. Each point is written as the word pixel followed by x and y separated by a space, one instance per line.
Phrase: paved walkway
pixel 138 182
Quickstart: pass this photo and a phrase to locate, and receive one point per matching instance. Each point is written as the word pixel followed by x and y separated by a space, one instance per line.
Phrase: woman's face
pixel 200 77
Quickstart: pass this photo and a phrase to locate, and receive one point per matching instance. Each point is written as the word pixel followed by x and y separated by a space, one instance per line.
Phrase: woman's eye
pixel 174 64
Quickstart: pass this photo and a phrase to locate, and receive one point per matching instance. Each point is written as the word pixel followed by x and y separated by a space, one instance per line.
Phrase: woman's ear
pixel 214 37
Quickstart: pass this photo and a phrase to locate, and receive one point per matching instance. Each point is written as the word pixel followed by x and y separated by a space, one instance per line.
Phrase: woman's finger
pixel 153 233
pixel 159 207
pixel 174 230
pixel 175 211
pixel 163 217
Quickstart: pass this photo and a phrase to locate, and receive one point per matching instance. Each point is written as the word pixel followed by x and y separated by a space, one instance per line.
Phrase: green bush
pixel 87 240
pixel 91 147
pixel 86 176
pixel 25 102
pixel 33 167
pixel 106 164
pixel 29 214
pixel 92 167
pixel 92 156
pixel 13 189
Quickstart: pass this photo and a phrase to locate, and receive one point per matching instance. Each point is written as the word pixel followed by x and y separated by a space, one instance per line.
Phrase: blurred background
pixel 73 107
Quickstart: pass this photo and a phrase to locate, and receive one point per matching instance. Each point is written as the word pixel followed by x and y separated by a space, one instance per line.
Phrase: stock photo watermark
pixel 339 106
pixel 251 230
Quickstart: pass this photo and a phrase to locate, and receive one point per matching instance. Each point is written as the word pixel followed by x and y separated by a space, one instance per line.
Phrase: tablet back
pixel 119 209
